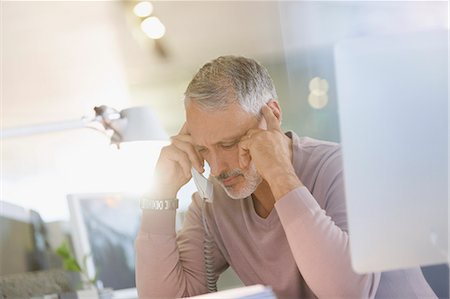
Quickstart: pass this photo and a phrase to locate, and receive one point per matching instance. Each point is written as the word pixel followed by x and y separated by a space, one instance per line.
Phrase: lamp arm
pixel 132 124
pixel 45 128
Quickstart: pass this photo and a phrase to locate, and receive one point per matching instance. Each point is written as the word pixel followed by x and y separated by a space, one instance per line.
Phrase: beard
pixel 252 179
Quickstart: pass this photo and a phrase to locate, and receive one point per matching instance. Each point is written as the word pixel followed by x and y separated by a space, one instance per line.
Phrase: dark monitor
pixel 104 227
pixel 22 240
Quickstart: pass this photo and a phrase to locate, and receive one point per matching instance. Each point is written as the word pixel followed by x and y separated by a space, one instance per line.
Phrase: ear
pixel 275 107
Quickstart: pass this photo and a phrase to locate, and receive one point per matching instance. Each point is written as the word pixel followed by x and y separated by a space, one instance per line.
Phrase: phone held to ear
pixel 204 186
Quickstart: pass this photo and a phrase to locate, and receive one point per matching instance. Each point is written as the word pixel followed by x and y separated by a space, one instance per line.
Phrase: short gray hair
pixel 229 79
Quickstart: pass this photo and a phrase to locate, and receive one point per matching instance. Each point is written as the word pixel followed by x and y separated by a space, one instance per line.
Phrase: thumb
pixel 244 155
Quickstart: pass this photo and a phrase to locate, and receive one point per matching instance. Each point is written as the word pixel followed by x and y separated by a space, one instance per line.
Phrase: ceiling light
pixel 153 27
pixel 143 9
pixel 318 93
pixel 318 83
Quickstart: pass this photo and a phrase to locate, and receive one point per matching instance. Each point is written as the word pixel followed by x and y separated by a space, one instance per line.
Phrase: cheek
pixel 231 157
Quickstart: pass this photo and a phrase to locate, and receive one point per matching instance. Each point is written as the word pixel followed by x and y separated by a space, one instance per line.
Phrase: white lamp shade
pixel 137 123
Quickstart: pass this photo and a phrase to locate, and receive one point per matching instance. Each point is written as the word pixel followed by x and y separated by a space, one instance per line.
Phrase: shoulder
pixel 317 148
pixel 318 164
pixel 321 154
pixel 312 154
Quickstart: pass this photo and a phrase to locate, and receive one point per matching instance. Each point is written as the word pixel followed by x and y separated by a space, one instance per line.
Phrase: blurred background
pixel 59 59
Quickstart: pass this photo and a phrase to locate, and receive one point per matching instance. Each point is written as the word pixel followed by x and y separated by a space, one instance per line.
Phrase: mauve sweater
pixel 301 249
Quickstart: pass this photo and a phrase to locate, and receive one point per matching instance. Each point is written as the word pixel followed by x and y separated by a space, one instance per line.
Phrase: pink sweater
pixel 301 249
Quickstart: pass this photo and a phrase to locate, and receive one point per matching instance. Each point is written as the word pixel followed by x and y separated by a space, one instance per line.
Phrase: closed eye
pixel 228 146
pixel 201 150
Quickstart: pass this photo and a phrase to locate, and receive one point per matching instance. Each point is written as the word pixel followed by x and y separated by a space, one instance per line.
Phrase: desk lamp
pixel 132 124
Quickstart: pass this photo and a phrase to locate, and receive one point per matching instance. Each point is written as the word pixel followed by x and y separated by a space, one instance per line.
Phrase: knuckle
pixel 173 141
pixel 165 149
pixel 185 155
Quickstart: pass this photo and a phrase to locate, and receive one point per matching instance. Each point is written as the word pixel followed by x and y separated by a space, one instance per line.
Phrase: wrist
pixel 163 192
pixel 147 203
pixel 283 183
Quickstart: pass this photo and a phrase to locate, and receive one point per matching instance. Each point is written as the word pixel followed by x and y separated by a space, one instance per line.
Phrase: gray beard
pixel 251 183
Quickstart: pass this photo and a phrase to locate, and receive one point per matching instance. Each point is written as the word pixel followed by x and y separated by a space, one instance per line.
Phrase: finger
pixel 244 147
pixel 271 119
pixel 190 140
pixel 244 153
pixel 185 138
pixel 193 155
pixel 182 159
pixel 251 133
pixel 184 130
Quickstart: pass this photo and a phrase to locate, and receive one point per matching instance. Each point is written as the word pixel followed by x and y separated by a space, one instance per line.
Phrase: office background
pixel 60 59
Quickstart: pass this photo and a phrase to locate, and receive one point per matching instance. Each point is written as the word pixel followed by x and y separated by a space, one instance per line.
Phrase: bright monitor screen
pixel 393 110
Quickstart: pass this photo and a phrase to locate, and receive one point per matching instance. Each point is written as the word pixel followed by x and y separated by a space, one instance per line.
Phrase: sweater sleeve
pixel 170 265
pixel 318 237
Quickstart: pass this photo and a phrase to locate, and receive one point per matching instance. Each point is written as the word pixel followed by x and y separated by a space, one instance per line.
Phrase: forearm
pixel 170 265
pixel 157 256
pixel 321 249
pixel 281 183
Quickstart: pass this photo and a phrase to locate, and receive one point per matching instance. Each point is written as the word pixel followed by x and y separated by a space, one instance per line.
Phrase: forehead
pixel 211 127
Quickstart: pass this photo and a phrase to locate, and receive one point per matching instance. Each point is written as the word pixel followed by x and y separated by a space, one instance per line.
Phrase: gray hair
pixel 229 79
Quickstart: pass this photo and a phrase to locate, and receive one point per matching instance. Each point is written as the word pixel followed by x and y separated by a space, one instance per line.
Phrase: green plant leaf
pixel 63 251
pixel 71 265
pixel 69 261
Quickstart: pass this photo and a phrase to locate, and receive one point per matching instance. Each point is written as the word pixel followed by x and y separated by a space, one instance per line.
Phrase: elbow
pixel 364 286
pixel 151 288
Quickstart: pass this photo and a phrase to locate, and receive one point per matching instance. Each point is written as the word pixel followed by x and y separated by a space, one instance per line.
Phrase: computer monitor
pixel 23 246
pixel 392 97
pixel 104 227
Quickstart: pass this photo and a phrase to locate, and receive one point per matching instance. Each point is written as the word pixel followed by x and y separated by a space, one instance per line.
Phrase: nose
pixel 217 164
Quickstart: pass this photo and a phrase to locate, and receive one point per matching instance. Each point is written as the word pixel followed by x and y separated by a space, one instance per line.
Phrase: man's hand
pixel 173 169
pixel 271 152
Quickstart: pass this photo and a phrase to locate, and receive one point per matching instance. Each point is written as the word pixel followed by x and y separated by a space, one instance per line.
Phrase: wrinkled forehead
pixel 211 127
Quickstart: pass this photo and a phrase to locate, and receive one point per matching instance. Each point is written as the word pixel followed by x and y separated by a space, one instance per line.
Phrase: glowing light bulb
pixel 153 27
pixel 318 83
pixel 143 9
pixel 318 93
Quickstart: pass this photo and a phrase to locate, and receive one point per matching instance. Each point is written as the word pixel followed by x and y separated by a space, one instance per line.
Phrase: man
pixel 278 214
